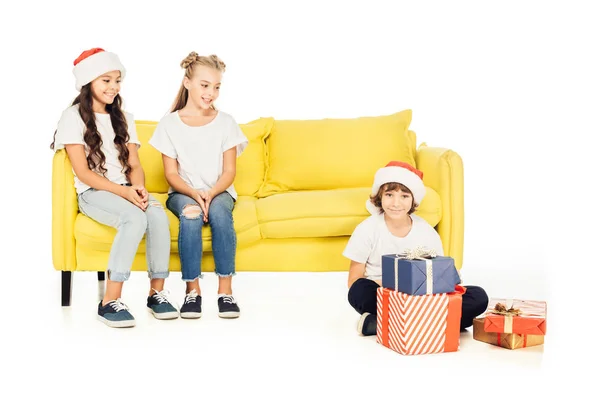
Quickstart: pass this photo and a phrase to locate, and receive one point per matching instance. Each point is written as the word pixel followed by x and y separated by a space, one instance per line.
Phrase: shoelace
pixel 228 299
pixel 118 305
pixel 191 296
pixel 161 297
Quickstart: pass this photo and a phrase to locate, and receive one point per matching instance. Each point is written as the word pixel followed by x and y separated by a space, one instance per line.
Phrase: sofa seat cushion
pixel 95 236
pixel 326 213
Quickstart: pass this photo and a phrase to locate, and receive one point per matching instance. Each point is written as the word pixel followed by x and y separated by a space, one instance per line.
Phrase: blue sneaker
pixel 115 314
pixel 228 307
pixel 192 305
pixel 160 307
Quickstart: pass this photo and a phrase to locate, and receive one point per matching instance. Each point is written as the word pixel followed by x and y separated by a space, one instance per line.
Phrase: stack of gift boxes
pixel 512 324
pixel 419 304
pixel 419 308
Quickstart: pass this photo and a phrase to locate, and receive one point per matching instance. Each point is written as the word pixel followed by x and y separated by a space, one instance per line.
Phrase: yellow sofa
pixel 302 187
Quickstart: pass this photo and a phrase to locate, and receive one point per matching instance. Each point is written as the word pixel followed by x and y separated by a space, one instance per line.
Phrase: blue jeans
pixel 224 240
pixel 131 223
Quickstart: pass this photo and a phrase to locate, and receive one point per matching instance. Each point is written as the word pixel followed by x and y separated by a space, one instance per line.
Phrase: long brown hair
pixel 95 158
pixel 188 65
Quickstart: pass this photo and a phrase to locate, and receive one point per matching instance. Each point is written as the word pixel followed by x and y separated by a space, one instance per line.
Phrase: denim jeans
pixel 131 223
pixel 224 240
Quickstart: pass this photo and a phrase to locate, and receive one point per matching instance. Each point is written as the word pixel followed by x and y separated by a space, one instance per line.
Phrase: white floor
pixel 296 332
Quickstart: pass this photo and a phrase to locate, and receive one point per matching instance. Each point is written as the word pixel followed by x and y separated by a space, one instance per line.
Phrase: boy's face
pixel 396 203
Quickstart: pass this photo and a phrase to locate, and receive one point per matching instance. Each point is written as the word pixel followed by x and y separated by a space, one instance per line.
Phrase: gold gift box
pixel 506 340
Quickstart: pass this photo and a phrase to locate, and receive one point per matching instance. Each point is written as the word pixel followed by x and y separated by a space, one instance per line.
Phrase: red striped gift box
pixel 424 324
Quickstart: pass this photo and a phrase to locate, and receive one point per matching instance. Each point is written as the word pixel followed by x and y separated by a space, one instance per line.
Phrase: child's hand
pixel 207 196
pixel 131 195
pixel 143 193
pixel 202 204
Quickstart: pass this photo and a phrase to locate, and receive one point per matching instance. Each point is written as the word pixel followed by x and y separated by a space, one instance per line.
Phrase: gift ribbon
pixel 508 311
pixel 418 253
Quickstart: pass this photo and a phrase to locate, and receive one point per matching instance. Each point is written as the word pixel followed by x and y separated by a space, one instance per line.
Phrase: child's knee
pixel 191 211
pixel 155 204
pixel 222 205
pixel 220 219
pixel 479 297
pixel 362 287
pixel 362 295
pixel 134 219
pixel 156 214
pixel 220 211
pixel 364 284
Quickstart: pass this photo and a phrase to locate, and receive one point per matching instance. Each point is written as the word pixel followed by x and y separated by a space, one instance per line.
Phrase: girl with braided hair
pixel 200 145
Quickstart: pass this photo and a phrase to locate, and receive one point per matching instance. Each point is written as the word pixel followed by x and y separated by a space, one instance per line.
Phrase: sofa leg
pixel 101 286
pixel 67 286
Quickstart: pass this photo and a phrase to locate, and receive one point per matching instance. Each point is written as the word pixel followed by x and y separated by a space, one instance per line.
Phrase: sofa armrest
pixel 443 172
pixel 64 212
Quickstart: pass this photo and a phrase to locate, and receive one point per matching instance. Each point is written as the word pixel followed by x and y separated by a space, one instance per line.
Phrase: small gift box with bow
pixel 418 272
pixel 525 317
pixel 507 340
pixel 413 325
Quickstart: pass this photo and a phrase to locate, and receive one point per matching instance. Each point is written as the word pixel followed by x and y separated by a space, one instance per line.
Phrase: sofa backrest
pixel 334 153
pixel 295 155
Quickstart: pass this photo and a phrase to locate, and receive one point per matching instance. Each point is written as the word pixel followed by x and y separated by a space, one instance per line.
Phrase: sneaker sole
pixel 229 314
pixel 191 315
pixel 164 315
pixel 117 324
pixel 361 323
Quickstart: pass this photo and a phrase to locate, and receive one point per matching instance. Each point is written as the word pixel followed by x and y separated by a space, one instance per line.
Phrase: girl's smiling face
pixel 204 86
pixel 105 88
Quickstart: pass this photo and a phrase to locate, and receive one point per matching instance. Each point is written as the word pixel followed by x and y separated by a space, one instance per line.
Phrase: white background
pixel 512 86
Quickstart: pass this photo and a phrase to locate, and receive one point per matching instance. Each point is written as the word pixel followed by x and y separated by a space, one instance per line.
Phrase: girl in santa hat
pixel 102 144
pixel 392 228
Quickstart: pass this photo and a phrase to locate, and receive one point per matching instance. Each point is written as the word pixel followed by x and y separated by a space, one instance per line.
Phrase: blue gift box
pixel 419 276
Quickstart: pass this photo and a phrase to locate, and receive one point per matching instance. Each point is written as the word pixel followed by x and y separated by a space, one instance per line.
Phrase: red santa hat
pixel 94 62
pixel 399 172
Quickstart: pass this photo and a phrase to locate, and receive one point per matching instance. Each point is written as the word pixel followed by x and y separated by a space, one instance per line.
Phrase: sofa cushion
pixel 334 153
pixel 325 213
pixel 251 165
pixel 95 236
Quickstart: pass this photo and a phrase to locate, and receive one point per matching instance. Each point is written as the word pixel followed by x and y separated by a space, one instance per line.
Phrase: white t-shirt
pixel 371 239
pixel 199 149
pixel 70 130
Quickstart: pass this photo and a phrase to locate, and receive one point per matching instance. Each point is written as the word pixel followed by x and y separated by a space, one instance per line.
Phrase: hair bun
pixel 190 59
pixel 217 61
